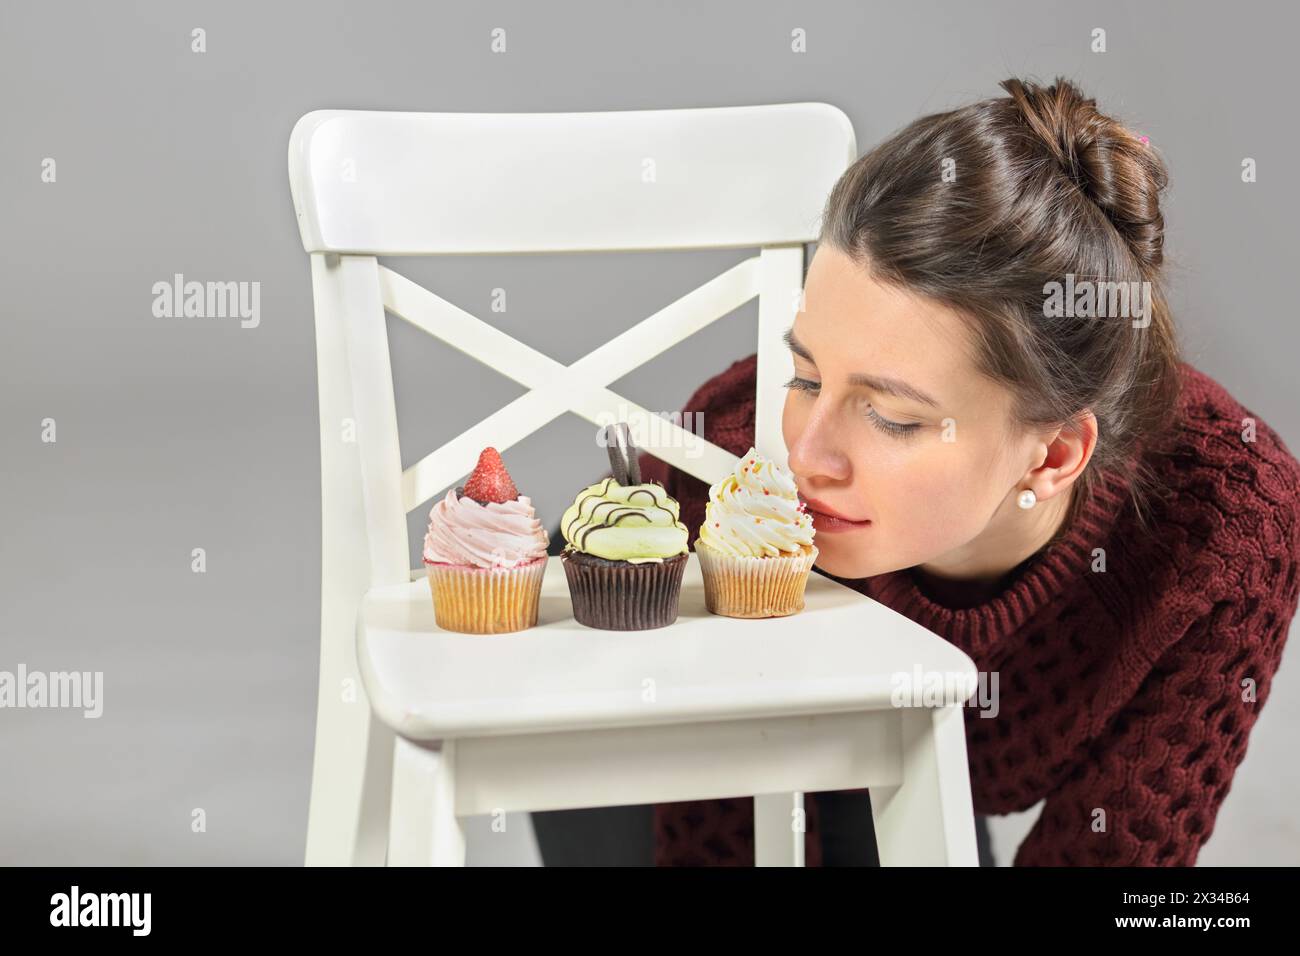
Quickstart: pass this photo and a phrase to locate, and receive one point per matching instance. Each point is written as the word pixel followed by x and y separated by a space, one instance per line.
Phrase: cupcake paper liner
pixel 473 600
pixel 619 596
pixel 754 587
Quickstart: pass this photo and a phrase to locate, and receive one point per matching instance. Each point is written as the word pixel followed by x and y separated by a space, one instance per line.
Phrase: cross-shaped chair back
pixel 367 184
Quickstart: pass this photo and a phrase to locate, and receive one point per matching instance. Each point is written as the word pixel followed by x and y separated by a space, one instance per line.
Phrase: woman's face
pixel 889 425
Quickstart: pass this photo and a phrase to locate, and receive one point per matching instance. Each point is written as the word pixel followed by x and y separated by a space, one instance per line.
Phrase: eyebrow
pixel 887 386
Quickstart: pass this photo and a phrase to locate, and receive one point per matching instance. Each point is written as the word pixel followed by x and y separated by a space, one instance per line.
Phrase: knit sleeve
pixel 1148 791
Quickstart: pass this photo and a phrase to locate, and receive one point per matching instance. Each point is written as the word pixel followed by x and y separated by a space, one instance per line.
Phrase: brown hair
pixel 1045 186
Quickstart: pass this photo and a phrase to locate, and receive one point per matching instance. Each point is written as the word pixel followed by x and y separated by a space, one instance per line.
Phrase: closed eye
pixel 892 427
pixel 886 425
pixel 803 384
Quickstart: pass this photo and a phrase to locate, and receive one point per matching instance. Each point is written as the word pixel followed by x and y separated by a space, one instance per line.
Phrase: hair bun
pixel 1120 173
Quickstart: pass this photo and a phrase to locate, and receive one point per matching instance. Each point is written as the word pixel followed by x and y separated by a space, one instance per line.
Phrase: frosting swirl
pixel 486 535
pixel 756 512
pixel 634 523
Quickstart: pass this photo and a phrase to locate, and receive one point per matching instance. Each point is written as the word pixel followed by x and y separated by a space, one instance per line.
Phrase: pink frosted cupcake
pixel 485 551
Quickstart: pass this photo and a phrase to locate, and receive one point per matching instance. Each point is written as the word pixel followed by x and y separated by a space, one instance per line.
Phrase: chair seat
pixel 841 653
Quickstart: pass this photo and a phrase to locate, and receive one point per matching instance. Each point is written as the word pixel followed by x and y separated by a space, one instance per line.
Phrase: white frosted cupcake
pixel 755 546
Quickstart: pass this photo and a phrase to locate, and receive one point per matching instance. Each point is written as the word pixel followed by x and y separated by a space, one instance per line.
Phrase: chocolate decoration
pixel 633 464
pixel 622 453
pixel 616 460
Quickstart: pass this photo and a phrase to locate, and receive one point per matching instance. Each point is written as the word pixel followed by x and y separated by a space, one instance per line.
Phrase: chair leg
pixel 928 820
pixel 352 772
pixel 423 829
pixel 777 840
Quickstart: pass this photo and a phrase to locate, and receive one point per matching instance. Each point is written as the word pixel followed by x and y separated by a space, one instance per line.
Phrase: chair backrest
pixel 369 184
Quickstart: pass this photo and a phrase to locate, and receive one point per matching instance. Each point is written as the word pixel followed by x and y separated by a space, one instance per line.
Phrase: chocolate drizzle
pixel 604 490
pixel 612 519
pixel 610 514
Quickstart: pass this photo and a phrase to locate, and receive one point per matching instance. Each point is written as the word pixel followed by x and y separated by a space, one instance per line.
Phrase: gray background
pixel 182 433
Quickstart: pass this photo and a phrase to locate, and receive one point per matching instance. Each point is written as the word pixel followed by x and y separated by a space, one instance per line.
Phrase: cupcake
pixel 485 552
pixel 625 549
pixel 755 547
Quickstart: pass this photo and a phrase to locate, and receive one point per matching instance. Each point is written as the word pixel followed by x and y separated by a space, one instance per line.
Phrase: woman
pixel 1044 484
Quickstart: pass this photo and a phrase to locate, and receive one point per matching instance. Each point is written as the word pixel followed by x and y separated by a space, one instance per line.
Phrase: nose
pixel 816 453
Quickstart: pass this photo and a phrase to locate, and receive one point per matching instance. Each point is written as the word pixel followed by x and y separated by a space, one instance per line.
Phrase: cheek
pixel 932 501
pixel 936 493
pixel 952 493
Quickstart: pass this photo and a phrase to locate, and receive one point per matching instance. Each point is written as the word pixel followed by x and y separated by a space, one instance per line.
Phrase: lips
pixel 826 518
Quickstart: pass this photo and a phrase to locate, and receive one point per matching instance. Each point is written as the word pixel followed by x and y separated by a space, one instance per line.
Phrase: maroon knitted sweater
pixel 1130 690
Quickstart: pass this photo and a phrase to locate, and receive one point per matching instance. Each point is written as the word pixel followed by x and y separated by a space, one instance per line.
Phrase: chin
pixel 848 563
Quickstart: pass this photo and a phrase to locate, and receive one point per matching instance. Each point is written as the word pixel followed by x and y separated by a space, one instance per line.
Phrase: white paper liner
pixel 497 600
pixel 754 587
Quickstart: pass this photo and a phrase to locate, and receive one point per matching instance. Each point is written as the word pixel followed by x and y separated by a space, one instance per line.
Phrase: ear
pixel 1064 456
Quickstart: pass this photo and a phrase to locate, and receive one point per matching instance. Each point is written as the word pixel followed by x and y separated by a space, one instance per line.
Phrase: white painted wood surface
pixel 841 653
pixel 391 183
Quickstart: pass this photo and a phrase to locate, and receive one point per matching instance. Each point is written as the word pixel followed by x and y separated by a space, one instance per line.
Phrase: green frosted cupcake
pixel 626 549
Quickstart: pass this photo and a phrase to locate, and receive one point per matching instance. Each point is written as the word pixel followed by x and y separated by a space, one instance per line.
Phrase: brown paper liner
pixel 619 596
pixel 495 600
pixel 754 587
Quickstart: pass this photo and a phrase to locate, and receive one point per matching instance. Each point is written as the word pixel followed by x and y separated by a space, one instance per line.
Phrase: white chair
pixel 417 727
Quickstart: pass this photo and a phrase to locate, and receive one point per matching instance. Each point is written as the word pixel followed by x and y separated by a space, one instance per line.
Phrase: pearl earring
pixel 1027 499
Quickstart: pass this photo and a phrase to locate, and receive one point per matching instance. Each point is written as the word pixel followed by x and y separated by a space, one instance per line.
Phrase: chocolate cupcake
pixel 626 549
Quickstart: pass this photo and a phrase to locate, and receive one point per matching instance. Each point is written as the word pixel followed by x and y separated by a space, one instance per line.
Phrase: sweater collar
pixel 1039 581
